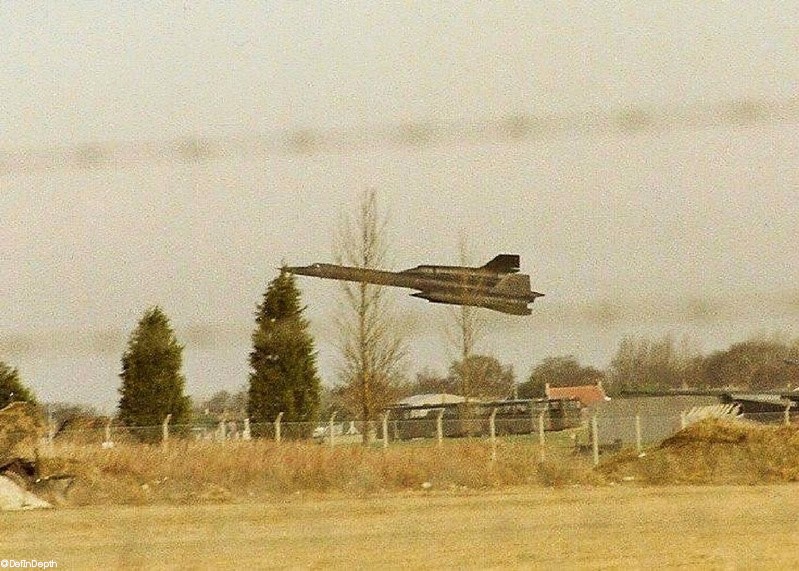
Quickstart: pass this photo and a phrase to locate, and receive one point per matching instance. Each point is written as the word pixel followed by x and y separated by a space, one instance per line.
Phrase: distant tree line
pixel 487 379
pixel 641 364
pixel 759 363
pixel 558 372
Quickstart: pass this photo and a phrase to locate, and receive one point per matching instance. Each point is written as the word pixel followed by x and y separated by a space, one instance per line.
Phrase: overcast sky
pixel 688 227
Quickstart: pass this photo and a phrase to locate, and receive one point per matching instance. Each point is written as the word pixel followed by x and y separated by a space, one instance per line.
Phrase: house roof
pixel 587 394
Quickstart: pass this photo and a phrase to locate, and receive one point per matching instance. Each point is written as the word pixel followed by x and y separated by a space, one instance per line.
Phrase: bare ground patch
pixel 718 527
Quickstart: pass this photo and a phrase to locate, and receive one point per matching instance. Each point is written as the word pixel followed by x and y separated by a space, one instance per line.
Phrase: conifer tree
pixel 152 382
pixel 283 375
pixel 11 387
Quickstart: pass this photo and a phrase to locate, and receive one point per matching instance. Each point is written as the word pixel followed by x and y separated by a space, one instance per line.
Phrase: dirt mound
pixel 714 451
pixel 713 430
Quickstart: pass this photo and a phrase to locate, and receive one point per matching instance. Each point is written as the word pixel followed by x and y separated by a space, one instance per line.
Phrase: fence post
pixel 638 444
pixel 595 439
pixel 107 443
pixel 165 430
pixel 493 431
pixel 385 428
pixel 440 426
pixel 51 437
pixel 247 434
pixel 788 413
pixel 541 435
pixel 50 429
pixel 369 431
pixel 277 427
pixel 330 428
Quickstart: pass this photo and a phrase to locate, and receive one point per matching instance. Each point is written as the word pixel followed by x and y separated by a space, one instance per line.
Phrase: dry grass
pixel 576 527
pixel 708 452
pixel 191 471
pixel 715 451
pixel 20 430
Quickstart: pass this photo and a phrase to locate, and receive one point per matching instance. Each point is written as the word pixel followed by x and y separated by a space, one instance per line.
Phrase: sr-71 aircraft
pixel 496 285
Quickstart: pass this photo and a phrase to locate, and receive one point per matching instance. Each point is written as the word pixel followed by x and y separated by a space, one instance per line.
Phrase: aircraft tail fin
pixel 504 264
pixel 514 285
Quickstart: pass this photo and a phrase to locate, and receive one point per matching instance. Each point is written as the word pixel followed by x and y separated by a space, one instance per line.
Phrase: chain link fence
pixel 595 434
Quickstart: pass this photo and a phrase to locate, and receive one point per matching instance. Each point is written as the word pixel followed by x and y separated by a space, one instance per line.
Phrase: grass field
pixel 718 527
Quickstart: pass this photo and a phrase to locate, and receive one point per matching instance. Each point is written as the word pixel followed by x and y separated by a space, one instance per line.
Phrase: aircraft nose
pixel 302 270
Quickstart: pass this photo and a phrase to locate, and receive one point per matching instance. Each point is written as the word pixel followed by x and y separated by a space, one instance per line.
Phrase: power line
pixel 512 128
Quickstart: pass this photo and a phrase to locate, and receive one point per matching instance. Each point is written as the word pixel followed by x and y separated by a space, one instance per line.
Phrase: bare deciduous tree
pixel 488 377
pixel 464 325
pixel 642 363
pixel 372 348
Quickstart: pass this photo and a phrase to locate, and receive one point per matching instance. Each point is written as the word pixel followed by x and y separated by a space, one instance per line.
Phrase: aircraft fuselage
pixel 493 286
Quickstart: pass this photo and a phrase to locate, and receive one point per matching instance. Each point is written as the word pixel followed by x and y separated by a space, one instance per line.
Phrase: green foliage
pixel 283 375
pixel 152 382
pixel 11 388
pixel 558 372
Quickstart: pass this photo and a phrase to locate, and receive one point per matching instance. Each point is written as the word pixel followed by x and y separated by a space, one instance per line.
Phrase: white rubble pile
pixel 14 497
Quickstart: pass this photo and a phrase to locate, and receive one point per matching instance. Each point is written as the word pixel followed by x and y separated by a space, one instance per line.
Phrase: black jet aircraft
pixel 496 285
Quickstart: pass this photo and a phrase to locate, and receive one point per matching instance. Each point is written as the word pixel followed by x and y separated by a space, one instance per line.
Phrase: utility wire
pixel 514 128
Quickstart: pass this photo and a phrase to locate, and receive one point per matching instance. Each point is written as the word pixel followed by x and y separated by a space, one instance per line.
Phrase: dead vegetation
pixel 197 472
pixel 711 451
pixel 21 429
pixel 714 451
